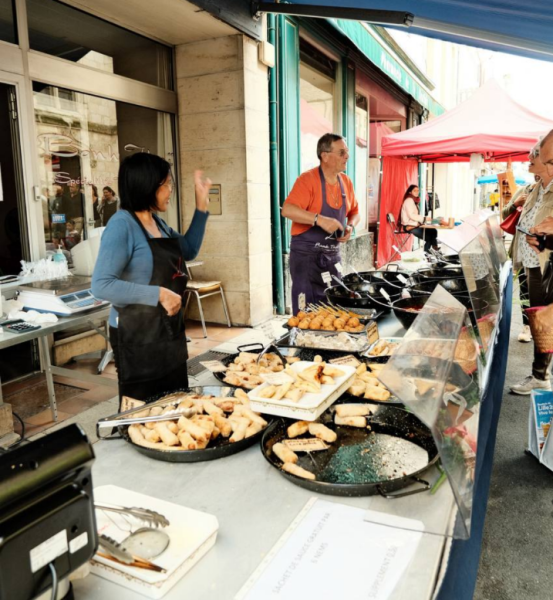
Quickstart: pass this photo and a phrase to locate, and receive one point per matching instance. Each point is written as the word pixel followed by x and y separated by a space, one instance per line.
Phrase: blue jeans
pixel 430 236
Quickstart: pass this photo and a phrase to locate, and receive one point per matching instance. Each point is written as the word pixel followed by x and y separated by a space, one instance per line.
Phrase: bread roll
pixel 296 470
pixel 285 454
pixel 350 421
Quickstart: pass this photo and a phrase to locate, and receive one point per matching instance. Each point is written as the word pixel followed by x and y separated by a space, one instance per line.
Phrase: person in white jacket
pixel 411 219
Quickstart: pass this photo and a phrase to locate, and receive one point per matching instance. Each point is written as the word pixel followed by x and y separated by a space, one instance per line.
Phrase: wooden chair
pixel 204 289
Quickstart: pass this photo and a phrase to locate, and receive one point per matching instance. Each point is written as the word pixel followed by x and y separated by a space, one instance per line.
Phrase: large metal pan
pixel 455 287
pixel 218 448
pixel 371 296
pixel 354 465
pixel 438 274
pixel 382 279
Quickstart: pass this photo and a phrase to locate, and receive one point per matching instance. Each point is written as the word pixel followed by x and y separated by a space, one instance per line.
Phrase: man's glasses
pixel 341 153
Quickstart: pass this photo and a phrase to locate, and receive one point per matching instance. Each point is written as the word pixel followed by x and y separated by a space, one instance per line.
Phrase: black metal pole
pixel 378 17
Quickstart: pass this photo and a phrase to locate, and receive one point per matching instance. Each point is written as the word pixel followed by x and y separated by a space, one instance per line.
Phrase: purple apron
pixel 311 255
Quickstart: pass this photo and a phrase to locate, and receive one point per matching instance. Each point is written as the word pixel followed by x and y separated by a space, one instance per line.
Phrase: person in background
pixel 141 270
pixel 324 211
pixel 109 205
pixel 546 152
pixel 410 219
pixel 494 199
pixel 57 208
pixel 95 206
pixel 537 207
pixel 517 201
pixel 73 237
pixel 73 205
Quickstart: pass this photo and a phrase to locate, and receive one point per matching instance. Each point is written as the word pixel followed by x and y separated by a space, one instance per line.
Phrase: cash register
pixel 63 297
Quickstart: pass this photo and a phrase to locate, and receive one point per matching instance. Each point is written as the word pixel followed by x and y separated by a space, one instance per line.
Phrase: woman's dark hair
pixel 140 176
pixel 94 190
pixel 110 190
pixel 409 190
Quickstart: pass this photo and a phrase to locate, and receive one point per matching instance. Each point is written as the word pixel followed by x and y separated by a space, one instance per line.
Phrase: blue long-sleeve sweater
pixel 124 267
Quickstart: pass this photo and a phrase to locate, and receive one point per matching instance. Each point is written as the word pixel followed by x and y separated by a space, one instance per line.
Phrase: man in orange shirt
pixel 324 212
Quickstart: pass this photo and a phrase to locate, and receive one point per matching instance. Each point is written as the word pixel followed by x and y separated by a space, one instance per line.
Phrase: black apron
pixel 151 345
pixel 311 255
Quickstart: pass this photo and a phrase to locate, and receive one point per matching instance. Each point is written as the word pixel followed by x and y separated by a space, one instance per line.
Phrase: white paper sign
pixel 334 553
pixel 279 378
pixel 326 277
pixel 301 301
pixel 268 330
pixel 339 267
pixel 385 294
pixel 402 278
pixel 214 366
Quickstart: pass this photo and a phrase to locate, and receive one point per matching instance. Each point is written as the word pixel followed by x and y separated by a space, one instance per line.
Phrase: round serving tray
pixel 387 420
pixel 218 448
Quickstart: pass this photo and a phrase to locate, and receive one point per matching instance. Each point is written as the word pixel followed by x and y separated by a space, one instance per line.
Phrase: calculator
pixel 21 327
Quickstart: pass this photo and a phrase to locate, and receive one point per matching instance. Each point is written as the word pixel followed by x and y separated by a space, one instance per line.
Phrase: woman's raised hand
pixel 202 185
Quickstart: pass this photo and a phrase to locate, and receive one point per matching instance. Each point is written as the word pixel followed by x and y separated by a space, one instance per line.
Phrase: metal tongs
pixel 151 517
pixel 271 346
pixel 116 552
pixel 129 418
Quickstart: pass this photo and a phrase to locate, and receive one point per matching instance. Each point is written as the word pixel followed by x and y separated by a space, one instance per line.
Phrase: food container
pixel 311 405
pixel 325 340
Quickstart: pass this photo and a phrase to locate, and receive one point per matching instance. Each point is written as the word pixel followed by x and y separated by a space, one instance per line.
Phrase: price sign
pixel 215 366
pixel 385 294
pixel 349 360
pixel 372 332
pixel 339 267
pixel 402 278
pixel 268 330
pixel 306 445
pixel 279 378
pixel 130 403
pixel 327 278
pixel 301 301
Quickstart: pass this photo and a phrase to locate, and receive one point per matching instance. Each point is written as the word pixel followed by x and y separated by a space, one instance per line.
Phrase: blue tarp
pixel 493 179
pixel 522 28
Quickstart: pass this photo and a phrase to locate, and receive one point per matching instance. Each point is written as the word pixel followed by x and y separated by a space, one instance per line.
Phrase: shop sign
pixel 66 146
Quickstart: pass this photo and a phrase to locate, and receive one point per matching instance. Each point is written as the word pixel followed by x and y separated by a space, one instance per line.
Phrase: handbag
pixel 547 282
pixel 509 225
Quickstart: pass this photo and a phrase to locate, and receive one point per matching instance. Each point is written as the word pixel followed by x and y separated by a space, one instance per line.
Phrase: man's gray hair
pixel 535 152
pixel 546 139
pixel 325 143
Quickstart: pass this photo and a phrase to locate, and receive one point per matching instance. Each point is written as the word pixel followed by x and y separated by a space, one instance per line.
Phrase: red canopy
pixel 490 122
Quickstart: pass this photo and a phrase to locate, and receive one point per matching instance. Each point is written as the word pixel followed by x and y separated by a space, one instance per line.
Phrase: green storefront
pixel 336 76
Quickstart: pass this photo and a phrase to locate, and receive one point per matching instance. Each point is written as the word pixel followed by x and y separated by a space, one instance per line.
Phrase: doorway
pixel 22 359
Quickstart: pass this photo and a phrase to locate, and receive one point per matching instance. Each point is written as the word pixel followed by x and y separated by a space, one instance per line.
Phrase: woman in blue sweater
pixel 140 270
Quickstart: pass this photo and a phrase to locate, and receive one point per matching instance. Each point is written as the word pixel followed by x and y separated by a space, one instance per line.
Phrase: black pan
pixel 365 463
pixel 218 448
pixel 438 274
pixel 376 278
pixel 407 317
pixel 371 296
pixel 453 286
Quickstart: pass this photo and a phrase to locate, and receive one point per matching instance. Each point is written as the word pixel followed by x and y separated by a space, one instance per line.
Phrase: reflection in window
pixel 317 108
pixel 81 141
pixel 7 22
pixel 361 157
pixel 68 33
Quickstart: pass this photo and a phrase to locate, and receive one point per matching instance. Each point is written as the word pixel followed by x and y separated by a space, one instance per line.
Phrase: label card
pixel 385 294
pixel 48 551
pixel 279 378
pixel 215 366
pixel 326 277
pixel 268 330
pixel 301 301
pixel 306 445
pixel 130 403
pixel 349 359
pixel 372 332
pixel 339 267
pixel 402 278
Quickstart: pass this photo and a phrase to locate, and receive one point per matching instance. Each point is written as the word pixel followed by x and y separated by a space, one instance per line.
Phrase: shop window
pixel 81 140
pixel 317 102
pixel 362 157
pixel 8 32
pixel 68 33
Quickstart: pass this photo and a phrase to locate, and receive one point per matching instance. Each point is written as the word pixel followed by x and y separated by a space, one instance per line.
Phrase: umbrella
pixel 493 179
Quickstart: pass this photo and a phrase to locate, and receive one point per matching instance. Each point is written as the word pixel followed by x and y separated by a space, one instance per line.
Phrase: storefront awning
pixel 522 28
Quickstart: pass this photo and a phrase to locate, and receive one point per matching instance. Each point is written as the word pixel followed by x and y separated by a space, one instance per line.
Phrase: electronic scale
pixel 64 297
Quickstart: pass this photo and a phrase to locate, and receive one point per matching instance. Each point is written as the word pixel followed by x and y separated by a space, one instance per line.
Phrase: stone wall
pixel 224 131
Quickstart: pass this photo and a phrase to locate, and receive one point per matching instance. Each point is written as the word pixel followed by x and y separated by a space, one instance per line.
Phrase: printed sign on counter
pixel 308 561
pixel 372 332
pixel 539 423
pixel 215 366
